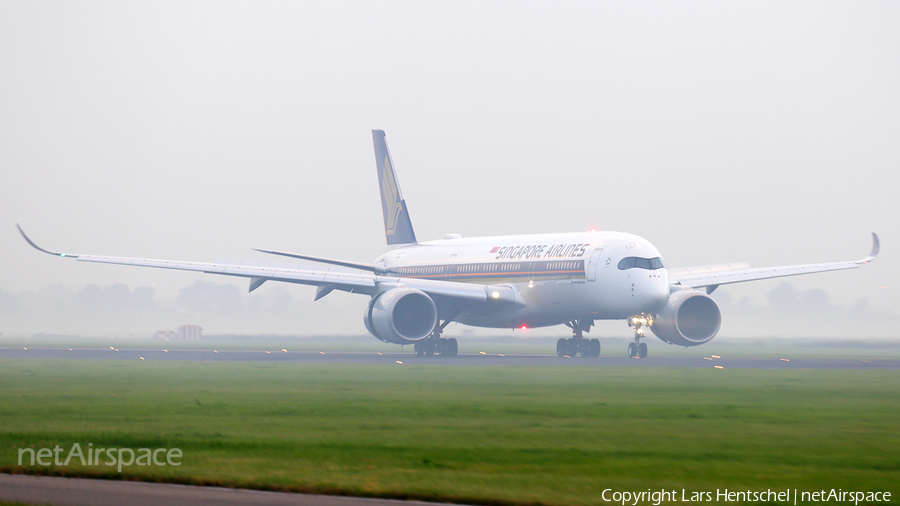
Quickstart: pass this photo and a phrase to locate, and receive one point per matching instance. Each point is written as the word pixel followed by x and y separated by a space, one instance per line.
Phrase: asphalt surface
pixel 339 357
pixel 84 492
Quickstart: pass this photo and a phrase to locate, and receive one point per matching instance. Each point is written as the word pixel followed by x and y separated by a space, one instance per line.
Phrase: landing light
pixel 495 295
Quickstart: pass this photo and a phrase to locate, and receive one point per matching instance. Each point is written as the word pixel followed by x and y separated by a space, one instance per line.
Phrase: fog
pixel 763 132
pixel 115 310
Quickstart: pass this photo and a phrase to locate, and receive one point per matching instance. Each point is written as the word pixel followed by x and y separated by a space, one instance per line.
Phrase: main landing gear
pixel 432 345
pixel 577 344
pixel 437 345
pixel 637 348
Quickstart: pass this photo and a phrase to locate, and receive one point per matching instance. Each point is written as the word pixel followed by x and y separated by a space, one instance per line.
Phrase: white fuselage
pixel 558 277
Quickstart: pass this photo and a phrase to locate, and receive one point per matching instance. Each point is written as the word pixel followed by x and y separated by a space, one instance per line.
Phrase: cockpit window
pixel 641 263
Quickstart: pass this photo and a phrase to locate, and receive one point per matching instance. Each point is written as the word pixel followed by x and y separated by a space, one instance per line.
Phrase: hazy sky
pixel 719 131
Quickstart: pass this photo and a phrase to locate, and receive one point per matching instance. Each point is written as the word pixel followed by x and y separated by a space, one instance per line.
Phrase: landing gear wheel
pixel 595 348
pixel 572 348
pixel 632 350
pixel 429 348
pixel 419 348
pixel 642 350
pixel 452 347
pixel 562 347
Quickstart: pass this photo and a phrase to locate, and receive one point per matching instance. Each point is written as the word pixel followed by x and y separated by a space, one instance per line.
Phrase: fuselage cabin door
pixel 451 268
pixel 592 264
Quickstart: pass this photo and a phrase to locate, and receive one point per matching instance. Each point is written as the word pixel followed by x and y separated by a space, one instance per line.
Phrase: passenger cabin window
pixel 640 263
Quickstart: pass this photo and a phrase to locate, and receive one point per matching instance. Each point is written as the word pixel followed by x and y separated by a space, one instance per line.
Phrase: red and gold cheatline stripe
pixel 494 274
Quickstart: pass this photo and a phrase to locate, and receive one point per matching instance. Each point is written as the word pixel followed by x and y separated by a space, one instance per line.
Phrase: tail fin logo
pixel 391 196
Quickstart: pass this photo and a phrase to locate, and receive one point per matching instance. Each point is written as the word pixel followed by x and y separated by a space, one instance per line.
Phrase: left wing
pixel 327 280
pixel 711 276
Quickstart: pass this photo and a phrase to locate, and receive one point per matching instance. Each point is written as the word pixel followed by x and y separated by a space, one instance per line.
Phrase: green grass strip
pixel 506 435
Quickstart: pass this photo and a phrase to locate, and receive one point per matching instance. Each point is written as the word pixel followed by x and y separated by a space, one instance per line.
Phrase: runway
pixel 85 492
pixel 344 357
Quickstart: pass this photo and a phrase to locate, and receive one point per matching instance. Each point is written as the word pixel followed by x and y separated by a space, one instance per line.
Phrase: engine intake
pixel 690 318
pixel 401 316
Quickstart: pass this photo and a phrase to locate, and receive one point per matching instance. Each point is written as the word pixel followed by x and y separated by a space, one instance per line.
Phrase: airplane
pixel 519 281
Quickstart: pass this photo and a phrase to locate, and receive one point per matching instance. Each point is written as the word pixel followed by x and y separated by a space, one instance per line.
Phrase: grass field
pixel 549 435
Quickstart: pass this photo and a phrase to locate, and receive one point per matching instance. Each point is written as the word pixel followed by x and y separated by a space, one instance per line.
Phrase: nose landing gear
pixel 637 348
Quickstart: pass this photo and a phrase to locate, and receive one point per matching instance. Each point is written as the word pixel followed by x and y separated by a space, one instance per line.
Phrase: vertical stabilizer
pixel 397 227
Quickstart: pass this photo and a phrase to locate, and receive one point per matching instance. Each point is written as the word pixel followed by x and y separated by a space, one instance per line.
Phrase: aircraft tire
pixel 572 348
pixel 419 349
pixel 642 350
pixel 452 347
pixel 562 347
pixel 632 350
pixel 595 347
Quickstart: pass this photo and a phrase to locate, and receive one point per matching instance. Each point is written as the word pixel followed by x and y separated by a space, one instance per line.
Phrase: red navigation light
pixel 524 327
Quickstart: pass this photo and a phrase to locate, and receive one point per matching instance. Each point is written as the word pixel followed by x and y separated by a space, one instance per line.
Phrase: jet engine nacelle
pixel 401 316
pixel 690 318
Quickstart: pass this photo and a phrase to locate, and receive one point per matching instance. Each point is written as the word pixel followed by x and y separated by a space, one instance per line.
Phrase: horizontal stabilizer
pixel 342 263
pixel 709 269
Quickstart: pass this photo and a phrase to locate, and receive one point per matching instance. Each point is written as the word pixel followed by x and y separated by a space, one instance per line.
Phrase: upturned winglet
pixel 35 246
pixel 876 247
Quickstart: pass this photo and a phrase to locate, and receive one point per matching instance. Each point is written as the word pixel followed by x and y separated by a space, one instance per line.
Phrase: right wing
pixel 327 280
pixel 711 276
